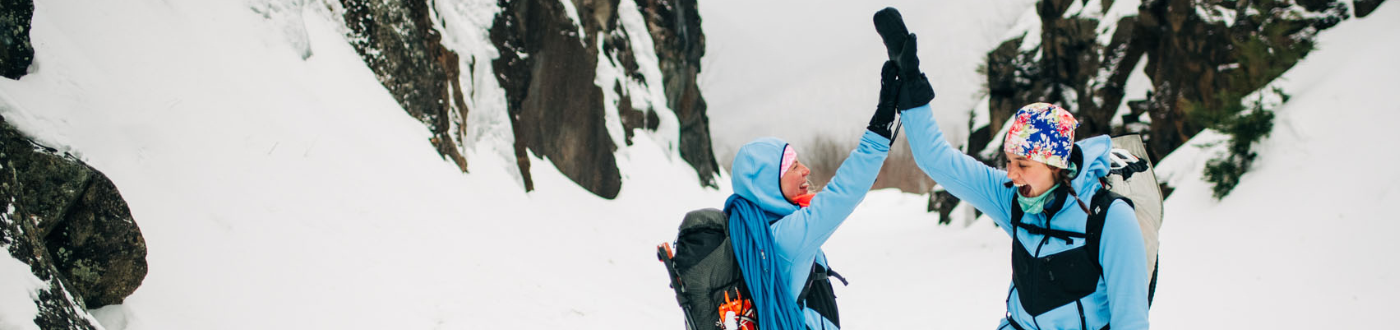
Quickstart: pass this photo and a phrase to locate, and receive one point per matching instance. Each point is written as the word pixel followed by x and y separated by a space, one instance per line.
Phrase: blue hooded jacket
pixel 1121 297
pixel 800 232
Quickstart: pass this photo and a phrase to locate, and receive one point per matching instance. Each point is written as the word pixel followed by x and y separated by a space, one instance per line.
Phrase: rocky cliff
pixel 548 58
pixel 400 43
pixel 1197 55
pixel 1197 61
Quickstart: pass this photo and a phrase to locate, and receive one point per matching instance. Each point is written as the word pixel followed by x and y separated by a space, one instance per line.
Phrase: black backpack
pixel 706 276
pixel 703 270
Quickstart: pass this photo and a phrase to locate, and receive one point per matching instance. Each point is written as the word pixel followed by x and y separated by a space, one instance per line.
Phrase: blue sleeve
pixel 802 233
pixel 959 173
pixel 1124 263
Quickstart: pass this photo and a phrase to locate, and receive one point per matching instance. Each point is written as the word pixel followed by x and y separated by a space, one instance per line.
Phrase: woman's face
pixel 794 183
pixel 1031 178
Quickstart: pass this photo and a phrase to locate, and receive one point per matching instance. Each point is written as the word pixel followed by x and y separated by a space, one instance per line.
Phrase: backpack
pixel 1131 180
pixel 1131 177
pixel 705 274
pixel 709 283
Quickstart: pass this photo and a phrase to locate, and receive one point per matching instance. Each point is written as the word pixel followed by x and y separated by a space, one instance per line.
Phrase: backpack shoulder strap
pixel 1016 213
pixel 1093 229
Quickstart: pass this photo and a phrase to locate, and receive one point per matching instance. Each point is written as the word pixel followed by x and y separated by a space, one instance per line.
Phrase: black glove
pixel 903 49
pixel 890 25
pixel 889 97
pixel 915 90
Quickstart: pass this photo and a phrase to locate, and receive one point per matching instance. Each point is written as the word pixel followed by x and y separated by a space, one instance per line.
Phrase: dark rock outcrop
pixel 1195 63
pixel 555 108
pixel 69 223
pixel 548 69
pixel 680 43
pixel 548 72
pixel 16 53
pixel 98 246
pixel 58 309
pixel 1365 7
pixel 942 201
pixel 400 44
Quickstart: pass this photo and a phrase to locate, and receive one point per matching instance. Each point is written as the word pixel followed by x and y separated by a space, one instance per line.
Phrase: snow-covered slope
pixel 1305 240
pixel 282 193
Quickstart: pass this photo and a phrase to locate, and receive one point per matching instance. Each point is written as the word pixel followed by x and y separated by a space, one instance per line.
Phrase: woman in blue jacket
pixel 1047 181
pixel 778 228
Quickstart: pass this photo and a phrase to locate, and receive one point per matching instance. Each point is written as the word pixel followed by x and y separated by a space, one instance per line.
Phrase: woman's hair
pixel 1062 177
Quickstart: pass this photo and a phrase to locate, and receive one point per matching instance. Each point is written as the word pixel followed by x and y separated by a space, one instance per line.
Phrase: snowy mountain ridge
pixel 285 192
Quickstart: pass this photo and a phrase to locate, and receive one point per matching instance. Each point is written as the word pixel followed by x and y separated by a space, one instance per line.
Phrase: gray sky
pixel 794 69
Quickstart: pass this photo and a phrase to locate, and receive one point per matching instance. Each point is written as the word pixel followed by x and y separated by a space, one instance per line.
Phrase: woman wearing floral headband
pixel 1041 199
pixel 1037 200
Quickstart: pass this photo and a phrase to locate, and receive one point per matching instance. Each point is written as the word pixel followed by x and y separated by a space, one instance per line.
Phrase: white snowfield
pixel 282 192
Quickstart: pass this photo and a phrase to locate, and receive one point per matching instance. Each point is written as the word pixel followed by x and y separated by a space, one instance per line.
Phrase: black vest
pixel 818 295
pixel 1055 280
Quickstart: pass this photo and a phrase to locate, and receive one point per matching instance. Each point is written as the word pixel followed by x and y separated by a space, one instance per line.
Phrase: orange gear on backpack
pixel 744 315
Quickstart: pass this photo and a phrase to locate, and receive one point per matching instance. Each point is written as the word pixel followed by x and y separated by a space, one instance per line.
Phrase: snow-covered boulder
pixel 68 223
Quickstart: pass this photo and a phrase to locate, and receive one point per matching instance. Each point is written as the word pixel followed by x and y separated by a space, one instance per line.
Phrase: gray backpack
pixel 1131 177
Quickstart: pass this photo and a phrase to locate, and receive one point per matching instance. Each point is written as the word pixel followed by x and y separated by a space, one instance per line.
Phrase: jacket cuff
pixel 875 140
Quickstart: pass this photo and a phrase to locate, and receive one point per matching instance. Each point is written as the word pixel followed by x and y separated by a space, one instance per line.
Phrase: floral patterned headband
pixel 1042 132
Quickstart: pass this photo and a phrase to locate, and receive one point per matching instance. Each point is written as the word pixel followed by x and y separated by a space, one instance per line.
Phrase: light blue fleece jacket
pixel 1121 297
pixel 801 232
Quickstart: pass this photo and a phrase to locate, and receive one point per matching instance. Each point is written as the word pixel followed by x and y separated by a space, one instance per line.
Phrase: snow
pixel 1322 255
pixel 572 12
pixel 265 204
pixel 647 94
pixel 1136 88
pixel 277 191
pixel 18 290
pixel 1079 9
pixel 464 25
pixel 1108 25
pixel 1028 26
pixel 1212 14
pixel 650 93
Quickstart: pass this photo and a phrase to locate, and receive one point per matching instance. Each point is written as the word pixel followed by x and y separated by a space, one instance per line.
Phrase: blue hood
pixel 756 178
pixel 1094 165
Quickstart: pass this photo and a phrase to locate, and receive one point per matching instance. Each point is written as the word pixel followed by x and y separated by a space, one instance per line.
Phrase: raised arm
pixel 963 176
pixel 803 232
pixel 960 174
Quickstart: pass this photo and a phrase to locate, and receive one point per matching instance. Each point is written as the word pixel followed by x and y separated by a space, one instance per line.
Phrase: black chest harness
pixel 818 294
pixel 1048 282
